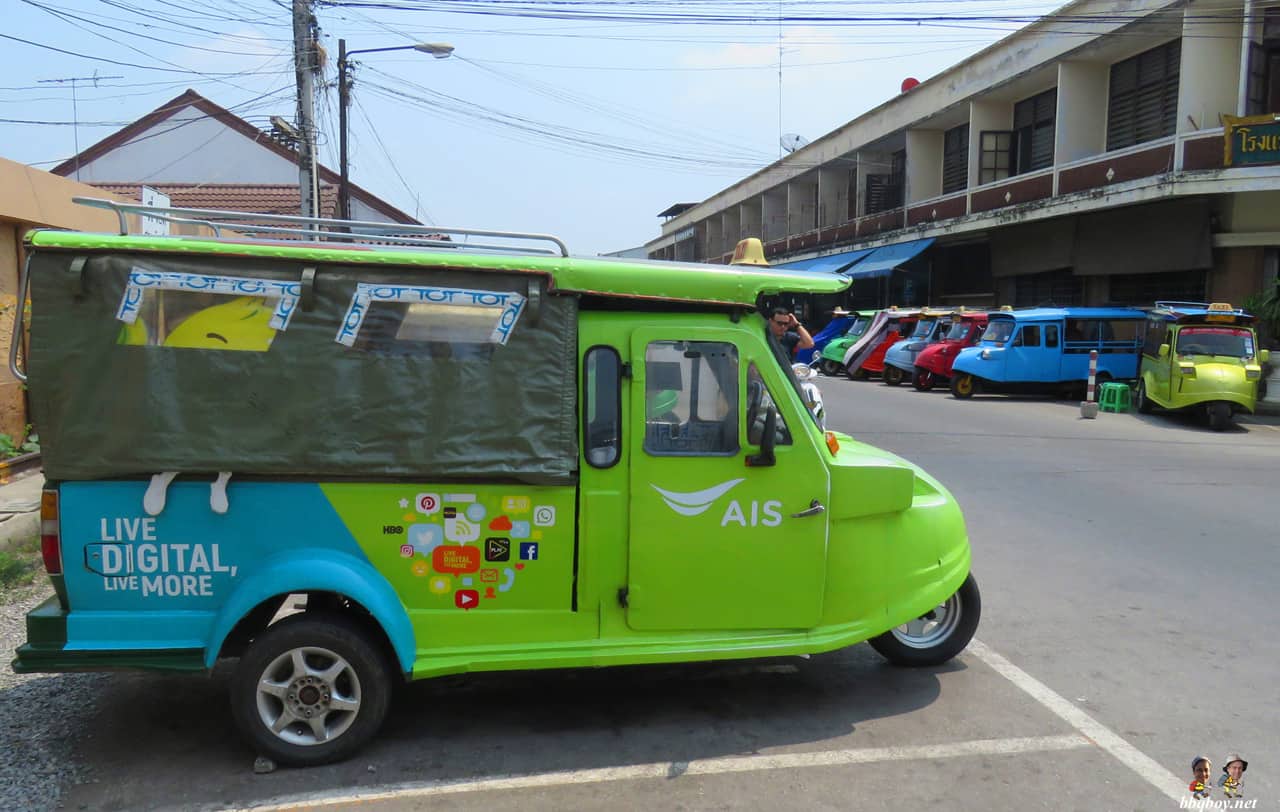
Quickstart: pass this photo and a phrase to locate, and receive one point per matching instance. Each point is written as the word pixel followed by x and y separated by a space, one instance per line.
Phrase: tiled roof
pixel 193 100
pixel 264 198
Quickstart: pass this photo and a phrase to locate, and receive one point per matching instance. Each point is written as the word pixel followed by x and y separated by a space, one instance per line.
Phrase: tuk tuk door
pixel 1027 359
pixel 1162 368
pixel 716 543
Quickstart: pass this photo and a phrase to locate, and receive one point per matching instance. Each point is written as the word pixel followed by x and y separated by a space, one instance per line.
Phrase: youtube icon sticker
pixel 466 599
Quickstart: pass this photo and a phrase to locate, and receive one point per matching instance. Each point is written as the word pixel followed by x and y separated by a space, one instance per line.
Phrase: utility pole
pixel 344 88
pixel 304 60
pixel 75 115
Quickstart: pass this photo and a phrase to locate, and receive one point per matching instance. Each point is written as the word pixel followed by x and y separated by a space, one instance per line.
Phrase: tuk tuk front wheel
pixel 936 636
pixel 830 367
pixel 1219 415
pixel 1141 401
pixel 963 386
pixel 923 380
pixel 311 689
pixel 892 375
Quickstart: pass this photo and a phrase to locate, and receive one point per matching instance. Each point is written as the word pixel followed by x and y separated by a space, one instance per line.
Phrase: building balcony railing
pixel 1201 150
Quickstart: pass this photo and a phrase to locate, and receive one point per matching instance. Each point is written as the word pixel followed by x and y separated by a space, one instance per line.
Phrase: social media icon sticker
pixel 406 551
pixel 427 503
pixel 425 537
pixel 488 593
pixel 455 559
pixel 515 504
pixel 497 549
pixel 489 575
pixel 519 530
pixel 529 550
pixel 459 529
pixel 421 568
pixel 476 512
pixel 466 599
pixel 440 584
pixel 544 516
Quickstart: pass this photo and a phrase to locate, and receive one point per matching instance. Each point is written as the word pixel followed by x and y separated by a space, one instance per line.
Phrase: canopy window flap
pixel 832 263
pixel 1168 236
pixel 1033 247
pixel 884 260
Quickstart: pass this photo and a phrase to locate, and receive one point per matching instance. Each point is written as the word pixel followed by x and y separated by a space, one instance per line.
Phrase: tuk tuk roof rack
pixel 1217 307
pixel 322 229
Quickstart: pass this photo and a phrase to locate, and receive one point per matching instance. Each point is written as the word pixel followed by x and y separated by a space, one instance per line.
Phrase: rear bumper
pixel 46 650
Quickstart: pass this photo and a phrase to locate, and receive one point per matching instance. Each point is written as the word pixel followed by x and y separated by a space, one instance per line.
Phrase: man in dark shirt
pixel 789 332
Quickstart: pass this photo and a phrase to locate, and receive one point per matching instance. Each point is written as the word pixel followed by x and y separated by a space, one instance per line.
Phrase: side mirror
pixel 1164 350
pixel 765 458
pixel 1264 356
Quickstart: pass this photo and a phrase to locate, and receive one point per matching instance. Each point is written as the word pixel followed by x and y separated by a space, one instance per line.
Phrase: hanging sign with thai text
pixel 1251 141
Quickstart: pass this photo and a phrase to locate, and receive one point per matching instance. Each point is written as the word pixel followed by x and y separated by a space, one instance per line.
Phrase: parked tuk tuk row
pixel 1178 355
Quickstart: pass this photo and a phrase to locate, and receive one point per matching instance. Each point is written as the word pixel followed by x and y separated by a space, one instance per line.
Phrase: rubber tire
pixel 1219 412
pixel 345 638
pixel 892 375
pixel 858 374
pixel 829 367
pixel 900 654
pixel 1141 402
pixel 963 386
pixel 923 380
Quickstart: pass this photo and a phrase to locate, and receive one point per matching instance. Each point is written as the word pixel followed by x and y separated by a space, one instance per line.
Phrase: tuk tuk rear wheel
pixel 858 374
pixel 311 689
pixel 892 375
pixel 923 380
pixel 830 367
pixel 963 386
pixel 1219 415
pixel 936 636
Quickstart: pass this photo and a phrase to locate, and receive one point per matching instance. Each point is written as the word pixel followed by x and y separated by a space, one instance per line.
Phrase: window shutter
pixel 1143 103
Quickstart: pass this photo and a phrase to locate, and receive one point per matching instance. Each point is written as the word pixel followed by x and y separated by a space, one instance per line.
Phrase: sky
pixel 579 118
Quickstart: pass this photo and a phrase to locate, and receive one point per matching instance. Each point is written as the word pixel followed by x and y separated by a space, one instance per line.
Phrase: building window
pixel 1033 123
pixel 852 195
pixel 1145 288
pixel 955 159
pixel 1143 103
pixel 1257 104
pixel 1053 288
pixel 884 192
pixel 996 156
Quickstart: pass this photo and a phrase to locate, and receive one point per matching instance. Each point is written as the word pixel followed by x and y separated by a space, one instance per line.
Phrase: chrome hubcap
pixel 932 627
pixel 308 696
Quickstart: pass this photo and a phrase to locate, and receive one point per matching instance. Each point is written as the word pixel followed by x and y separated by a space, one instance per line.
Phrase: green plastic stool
pixel 1114 397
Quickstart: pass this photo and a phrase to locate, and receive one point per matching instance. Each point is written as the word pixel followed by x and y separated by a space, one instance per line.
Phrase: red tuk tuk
pixel 934 361
pixel 900 325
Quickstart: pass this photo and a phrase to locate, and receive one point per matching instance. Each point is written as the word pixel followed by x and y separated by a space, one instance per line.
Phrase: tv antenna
pixel 792 141
pixel 75 116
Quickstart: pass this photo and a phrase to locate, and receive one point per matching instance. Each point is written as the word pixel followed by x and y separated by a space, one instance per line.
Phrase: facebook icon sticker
pixel 529 551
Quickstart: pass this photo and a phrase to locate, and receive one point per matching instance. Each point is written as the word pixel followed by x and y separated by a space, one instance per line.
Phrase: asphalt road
pixel 1128 569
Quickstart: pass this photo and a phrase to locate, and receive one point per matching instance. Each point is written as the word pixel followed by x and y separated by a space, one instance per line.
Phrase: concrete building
pixel 1082 160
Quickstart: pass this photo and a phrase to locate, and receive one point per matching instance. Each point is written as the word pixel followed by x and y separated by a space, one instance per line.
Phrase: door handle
pixel 815 507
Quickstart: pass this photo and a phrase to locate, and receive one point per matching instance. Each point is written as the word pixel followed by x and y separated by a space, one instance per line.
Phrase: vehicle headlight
pixel 1252 373
pixel 986 355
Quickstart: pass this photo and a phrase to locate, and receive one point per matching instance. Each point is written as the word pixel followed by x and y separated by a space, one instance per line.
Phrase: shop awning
pixel 885 259
pixel 832 263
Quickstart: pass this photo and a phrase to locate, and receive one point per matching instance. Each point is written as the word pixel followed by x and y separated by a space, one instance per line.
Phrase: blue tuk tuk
pixel 1046 349
pixel 900 360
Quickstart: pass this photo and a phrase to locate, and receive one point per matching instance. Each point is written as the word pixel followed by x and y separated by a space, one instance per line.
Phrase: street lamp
pixel 439 50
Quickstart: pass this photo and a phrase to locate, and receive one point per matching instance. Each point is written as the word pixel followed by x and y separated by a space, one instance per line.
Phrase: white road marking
pixel 666 770
pixel 1099 734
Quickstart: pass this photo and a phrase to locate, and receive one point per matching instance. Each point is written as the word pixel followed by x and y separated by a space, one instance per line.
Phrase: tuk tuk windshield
pixel 1233 342
pixel 858 327
pixel 924 328
pixel 958 331
pixel 999 330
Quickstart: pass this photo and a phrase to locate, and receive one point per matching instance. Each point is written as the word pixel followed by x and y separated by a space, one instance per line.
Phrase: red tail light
pixel 50 548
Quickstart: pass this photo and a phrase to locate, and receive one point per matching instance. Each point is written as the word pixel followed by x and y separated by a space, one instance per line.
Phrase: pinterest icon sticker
pixel 427 503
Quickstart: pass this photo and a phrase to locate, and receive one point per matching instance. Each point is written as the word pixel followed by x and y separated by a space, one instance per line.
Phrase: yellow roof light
pixel 749 252
pixel 1218 307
